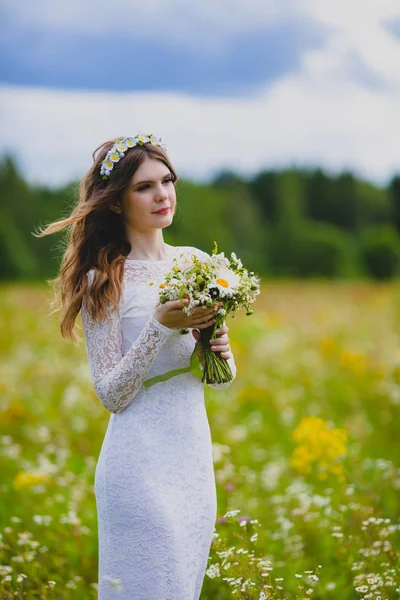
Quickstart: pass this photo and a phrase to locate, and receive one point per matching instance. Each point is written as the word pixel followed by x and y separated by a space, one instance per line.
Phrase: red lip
pixel 163 211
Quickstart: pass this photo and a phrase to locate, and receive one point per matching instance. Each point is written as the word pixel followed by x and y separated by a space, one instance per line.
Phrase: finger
pixel 226 355
pixel 224 348
pixel 224 329
pixel 204 325
pixel 203 307
pixel 176 304
pixel 200 319
pixel 221 340
pixel 201 311
pixel 205 317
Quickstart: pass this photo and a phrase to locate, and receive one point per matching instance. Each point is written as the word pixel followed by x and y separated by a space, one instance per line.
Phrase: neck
pixel 145 247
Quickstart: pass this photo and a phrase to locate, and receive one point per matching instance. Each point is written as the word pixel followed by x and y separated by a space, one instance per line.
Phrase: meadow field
pixel 306 449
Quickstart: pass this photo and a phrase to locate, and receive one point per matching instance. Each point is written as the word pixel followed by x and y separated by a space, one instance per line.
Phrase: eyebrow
pixel 151 180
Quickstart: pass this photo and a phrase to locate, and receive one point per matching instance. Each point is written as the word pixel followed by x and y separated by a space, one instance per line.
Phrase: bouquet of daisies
pixel 202 282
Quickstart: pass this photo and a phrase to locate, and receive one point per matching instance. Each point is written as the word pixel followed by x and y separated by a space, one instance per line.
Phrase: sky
pixel 242 85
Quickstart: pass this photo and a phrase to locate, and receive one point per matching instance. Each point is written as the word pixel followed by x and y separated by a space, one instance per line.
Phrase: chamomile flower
pixel 120 148
pixel 226 281
pixel 115 156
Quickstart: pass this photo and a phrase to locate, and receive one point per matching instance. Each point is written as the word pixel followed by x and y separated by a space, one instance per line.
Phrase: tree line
pixel 286 223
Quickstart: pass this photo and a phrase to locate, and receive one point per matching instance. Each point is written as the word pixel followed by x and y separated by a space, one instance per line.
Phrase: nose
pixel 161 193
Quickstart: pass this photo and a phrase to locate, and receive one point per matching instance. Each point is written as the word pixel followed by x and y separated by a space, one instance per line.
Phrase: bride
pixel 154 481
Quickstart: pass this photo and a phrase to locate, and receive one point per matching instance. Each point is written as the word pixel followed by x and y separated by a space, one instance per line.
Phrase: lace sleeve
pixel 117 378
pixel 231 361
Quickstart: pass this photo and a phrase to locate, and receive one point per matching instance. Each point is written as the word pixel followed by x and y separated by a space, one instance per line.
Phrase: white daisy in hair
pixel 121 147
pixel 107 165
pixel 105 170
pixel 114 156
pixel 130 142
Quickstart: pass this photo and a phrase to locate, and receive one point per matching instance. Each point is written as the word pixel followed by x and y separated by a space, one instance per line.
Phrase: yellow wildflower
pixel 357 363
pixel 318 448
pixel 327 346
pixel 16 410
pixel 24 479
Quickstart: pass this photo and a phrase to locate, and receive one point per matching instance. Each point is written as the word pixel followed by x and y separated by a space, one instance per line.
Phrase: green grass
pixel 327 350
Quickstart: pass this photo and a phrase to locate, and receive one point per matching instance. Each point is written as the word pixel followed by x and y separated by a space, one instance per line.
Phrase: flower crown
pixel 119 149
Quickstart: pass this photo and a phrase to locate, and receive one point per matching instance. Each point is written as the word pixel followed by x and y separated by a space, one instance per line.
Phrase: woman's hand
pixel 220 344
pixel 170 314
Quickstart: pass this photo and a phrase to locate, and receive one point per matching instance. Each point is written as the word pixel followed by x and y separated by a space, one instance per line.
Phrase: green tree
pixel 394 191
pixel 264 189
pixel 380 251
pixel 332 200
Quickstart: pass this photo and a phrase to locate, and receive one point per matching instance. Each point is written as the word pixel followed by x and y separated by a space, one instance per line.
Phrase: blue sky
pixel 70 58
pixel 312 83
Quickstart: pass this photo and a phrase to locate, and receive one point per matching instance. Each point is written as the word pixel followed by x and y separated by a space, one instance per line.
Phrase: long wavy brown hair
pixel 96 238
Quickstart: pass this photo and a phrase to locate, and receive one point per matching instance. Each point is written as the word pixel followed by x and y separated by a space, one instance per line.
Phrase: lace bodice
pixel 129 345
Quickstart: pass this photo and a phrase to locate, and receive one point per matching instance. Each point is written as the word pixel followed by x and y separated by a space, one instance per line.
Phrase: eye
pixel 143 187
pixel 168 179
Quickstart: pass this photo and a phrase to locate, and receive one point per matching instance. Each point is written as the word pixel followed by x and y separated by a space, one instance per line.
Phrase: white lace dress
pixel 154 481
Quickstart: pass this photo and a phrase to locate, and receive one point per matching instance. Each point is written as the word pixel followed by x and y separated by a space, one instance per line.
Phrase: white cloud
pixel 322 115
pixel 301 119
pixel 356 28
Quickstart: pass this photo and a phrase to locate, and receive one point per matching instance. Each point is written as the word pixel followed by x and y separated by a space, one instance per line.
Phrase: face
pixel 150 189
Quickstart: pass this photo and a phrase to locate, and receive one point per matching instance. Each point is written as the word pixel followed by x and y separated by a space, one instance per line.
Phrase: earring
pixel 116 209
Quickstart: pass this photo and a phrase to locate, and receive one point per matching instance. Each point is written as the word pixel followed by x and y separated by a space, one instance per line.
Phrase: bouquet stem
pixel 216 369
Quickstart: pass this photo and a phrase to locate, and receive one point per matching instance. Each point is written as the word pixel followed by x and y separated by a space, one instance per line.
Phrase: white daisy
pixel 226 281
pixel 114 156
pixel 130 142
pixel 121 147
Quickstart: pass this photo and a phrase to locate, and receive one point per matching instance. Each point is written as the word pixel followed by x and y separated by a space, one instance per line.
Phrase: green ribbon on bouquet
pixel 194 368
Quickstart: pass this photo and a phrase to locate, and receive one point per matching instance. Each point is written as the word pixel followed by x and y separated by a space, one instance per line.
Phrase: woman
pixel 154 481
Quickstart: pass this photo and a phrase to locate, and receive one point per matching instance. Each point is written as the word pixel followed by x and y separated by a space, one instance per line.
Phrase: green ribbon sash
pixel 194 368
